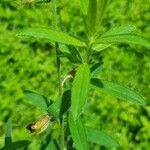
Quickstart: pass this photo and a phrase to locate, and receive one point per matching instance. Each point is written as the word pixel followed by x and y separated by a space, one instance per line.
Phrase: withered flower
pixel 40 125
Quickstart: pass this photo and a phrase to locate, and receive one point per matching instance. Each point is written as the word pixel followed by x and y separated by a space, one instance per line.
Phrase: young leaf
pixel 71 53
pixel 124 29
pixel 52 35
pixel 96 69
pixel 84 6
pixel 37 99
pixel 78 133
pixel 124 38
pixel 100 137
pixel 100 47
pixel 65 102
pixel 54 109
pixel 101 7
pixel 118 91
pixel 80 89
pixel 42 1
pixel 8 138
pixel 91 17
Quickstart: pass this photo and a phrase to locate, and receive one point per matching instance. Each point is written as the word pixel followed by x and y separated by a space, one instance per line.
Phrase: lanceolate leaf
pixel 78 133
pixel 37 99
pixel 124 38
pixel 118 91
pixel 84 6
pixel 101 7
pixel 100 47
pixel 80 89
pixel 100 137
pixel 92 15
pixel 124 29
pixel 51 35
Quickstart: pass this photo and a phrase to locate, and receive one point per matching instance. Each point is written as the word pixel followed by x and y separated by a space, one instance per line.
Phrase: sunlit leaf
pixel 78 133
pixel 123 29
pixel 118 91
pixel 80 89
pixel 51 35
pixel 84 6
pixel 92 16
pixel 100 137
pixel 124 38
pixel 101 47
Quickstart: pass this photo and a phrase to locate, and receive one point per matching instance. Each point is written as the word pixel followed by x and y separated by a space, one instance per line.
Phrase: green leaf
pixel 91 17
pixel 124 38
pixel 51 146
pixel 118 91
pixel 37 99
pixel 124 29
pixel 52 35
pixel 96 69
pixel 84 6
pixel 8 138
pixel 101 7
pixel 78 133
pixel 65 102
pixel 100 47
pixel 80 89
pixel 71 53
pixel 16 145
pixel 54 109
pixel 42 1
pixel 100 137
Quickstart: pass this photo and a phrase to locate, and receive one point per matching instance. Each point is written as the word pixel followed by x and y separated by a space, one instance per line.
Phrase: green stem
pixel 58 63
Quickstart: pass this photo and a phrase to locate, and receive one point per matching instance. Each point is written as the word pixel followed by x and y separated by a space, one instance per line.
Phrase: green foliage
pixel 100 137
pixel 37 99
pixel 78 133
pixel 32 66
pixel 80 90
pixel 51 35
pixel 119 91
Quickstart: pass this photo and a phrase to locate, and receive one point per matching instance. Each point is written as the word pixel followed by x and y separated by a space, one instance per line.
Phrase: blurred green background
pixel 30 64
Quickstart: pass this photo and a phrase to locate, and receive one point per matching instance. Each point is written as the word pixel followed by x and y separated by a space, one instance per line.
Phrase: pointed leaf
pixel 100 137
pixel 124 29
pixel 37 99
pixel 84 6
pixel 100 47
pixel 124 38
pixel 51 35
pixel 42 1
pixel 96 69
pixel 78 133
pixel 118 91
pixel 80 89
pixel 101 10
pixel 92 15
pixel 71 53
